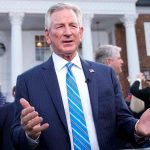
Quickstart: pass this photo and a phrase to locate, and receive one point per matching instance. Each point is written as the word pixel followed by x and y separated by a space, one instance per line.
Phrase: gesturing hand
pixel 143 125
pixel 31 121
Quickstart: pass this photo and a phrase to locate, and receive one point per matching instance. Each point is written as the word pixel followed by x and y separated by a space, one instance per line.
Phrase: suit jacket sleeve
pixel 125 120
pixel 113 113
pixel 18 134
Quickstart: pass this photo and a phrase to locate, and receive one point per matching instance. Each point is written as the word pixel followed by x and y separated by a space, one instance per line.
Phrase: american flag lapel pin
pixel 91 70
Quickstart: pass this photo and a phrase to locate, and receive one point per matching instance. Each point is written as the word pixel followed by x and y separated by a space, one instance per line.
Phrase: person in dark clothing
pixel 2 98
pixel 144 93
pixel 7 113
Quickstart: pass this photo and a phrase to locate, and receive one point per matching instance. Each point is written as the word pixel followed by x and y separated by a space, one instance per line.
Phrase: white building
pixel 22 27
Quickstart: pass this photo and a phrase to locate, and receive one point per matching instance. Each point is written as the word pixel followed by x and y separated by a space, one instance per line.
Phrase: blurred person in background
pixel 7 113
pixel 2 98
pixel 141 93
pixel 110 55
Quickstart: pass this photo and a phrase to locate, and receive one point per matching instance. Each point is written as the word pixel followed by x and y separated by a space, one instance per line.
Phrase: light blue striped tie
pixel 78 124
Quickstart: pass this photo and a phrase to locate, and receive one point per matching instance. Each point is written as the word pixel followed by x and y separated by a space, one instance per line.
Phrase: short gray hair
pixel 105 52
pixel 61 6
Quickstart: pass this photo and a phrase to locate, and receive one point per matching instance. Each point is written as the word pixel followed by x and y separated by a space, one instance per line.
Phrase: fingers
pixel 34 127
pixel 143 126
pixel 141 76
pixel 24 103
pixel 36 131
pixel 28 116
pixel 38 128
pixel 28 113
pixel 31 122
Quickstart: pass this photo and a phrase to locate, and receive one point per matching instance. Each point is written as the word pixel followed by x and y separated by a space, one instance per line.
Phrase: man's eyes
pixel 62 26
pixel 74 25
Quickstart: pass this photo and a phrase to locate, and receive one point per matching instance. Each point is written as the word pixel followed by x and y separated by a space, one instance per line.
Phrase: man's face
pixel 116 63
pixel 65 33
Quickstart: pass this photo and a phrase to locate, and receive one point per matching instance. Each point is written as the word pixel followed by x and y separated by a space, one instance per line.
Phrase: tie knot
pixel 69 65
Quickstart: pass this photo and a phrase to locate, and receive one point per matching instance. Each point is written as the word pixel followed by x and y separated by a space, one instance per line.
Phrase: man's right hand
pixel 31 122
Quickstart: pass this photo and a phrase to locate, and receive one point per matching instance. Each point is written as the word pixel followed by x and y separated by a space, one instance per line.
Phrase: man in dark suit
pixel 44 120
pixel 110 55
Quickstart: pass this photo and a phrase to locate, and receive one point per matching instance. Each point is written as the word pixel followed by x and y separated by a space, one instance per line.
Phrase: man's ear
pixel 108 61
pixel 47 37
pixel 81 33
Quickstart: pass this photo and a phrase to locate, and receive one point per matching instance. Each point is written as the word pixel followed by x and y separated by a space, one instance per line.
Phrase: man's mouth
pixel 68 41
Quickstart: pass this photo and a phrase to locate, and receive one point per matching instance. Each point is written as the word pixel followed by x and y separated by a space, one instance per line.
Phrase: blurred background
pixel 125 23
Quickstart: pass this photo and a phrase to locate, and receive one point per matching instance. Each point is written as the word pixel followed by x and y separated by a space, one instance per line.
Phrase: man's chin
pixel 120 71
pixel 69 51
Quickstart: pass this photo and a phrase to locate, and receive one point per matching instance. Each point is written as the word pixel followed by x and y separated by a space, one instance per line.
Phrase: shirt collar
pixel 60 63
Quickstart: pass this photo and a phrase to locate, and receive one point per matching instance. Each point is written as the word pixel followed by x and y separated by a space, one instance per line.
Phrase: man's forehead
pixel 63 14
pixel 63 10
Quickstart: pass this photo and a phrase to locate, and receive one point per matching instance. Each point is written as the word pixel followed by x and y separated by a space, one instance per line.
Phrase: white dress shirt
pixel 61 70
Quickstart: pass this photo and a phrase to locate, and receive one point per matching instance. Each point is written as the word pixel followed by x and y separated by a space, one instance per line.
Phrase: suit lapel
pixel 51 83
pixel 89 73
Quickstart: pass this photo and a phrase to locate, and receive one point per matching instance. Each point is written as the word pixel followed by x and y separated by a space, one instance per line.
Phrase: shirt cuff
pixel 32 143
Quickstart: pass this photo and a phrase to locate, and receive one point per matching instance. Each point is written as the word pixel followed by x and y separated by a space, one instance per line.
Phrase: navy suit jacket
pixel 40 87
pixel 7 113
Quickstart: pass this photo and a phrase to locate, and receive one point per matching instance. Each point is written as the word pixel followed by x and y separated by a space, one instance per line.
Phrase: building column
pixel 87 47
pixel 132 50
pixel 16 46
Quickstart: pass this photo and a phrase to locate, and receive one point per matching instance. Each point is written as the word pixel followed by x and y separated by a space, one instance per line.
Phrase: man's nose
pixel 122 61
pixel 67 31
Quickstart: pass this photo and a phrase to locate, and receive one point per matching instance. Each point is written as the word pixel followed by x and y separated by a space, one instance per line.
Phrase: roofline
pixel 145 3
